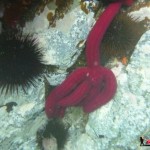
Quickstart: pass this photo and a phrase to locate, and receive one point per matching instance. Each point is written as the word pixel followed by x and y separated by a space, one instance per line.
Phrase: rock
pixel 119 124
pixel 116 126
pixel 20 125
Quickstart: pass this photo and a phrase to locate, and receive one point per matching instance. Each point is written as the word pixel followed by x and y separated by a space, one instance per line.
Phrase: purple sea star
pixel 91 86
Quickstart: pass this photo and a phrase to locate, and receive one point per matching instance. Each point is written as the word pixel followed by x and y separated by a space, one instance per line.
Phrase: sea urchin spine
pixel 20 61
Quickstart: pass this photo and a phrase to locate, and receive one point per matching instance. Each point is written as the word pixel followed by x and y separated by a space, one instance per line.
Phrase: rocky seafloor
pixel 116 126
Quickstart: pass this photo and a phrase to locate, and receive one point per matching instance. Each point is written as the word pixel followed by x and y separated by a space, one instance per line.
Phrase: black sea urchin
pixel 20 61
pixel 54 128
pixel 121 38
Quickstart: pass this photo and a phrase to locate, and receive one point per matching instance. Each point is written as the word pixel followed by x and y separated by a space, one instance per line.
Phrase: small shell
pixel 84 8
pixel 49 16
pixel 81 44
pixel 124 60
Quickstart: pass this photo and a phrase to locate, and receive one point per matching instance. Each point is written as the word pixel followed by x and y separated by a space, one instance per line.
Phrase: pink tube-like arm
pixel 106 92
pixel 52 108
pixel 96 34
pixel 76 96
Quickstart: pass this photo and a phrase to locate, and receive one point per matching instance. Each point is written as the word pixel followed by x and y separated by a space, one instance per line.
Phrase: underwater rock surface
pixel 119 124
pixel 115 126
pixel 18 127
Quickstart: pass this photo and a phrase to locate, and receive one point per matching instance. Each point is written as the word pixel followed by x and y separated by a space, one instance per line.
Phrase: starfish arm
pixel 91 95
pixel 76 96
pixel 96 34
pixel 63 90
pixel 51 107
pixel 60 112
pixel 127 2
pixel 70 82
pixel 105 95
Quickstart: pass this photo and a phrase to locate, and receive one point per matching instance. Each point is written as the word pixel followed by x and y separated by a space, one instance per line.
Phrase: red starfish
pixel 91 86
